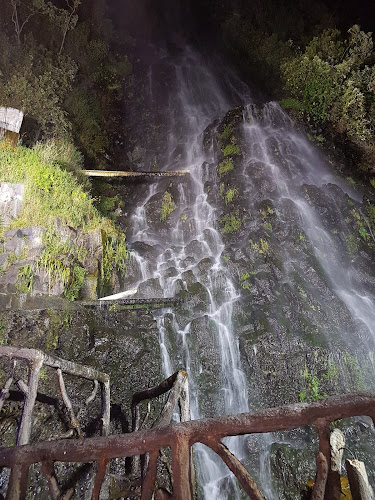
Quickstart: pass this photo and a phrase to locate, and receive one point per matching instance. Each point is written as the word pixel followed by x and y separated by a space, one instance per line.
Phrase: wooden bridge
pixel 119 173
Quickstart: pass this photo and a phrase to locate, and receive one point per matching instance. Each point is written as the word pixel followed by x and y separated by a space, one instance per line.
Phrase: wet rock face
pixel 22 247
pixel 290 312
pixel 123 344
pixel 291 244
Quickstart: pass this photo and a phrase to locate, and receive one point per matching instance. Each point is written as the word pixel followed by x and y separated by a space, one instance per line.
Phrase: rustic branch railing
pixel 36 360
pixel 177 385
pixel 181 436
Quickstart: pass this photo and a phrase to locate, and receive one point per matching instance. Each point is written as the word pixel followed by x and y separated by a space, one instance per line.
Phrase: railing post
pixel 148 481
pixel 18 482
pixel 24 430
pixel 106 407
pixel 181 463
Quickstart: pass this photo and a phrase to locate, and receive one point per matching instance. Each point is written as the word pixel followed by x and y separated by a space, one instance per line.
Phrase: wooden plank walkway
pixel 153 303
pixel 119 173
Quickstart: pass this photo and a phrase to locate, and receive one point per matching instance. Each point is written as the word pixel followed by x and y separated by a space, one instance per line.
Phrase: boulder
pixel 11 196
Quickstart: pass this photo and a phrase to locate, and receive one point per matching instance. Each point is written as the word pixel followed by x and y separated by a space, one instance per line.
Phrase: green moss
pixel 291 103
pixel 231 150
pixel 244 281
pixel 230 223
pixel 53 331
pixel 167 207
pixel 230 195
pixel 356 372
pixel 227 132
pixel 225 166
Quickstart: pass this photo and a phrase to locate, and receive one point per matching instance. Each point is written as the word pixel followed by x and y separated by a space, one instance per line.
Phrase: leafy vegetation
pixel 115 255
pixel 332 84
pixel 244 281
pixel 227 132
pixel 333 81
pixel 230 195
pixel 54 193
pixel 321 74
pixel 311 390
pixel 51 191
pixel 56 66
pixel 262 247
pixel 25 279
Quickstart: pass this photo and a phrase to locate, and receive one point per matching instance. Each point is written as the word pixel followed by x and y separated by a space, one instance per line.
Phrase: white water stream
pixel 193 104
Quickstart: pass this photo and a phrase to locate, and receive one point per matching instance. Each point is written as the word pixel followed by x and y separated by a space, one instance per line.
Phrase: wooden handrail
pixel 181 436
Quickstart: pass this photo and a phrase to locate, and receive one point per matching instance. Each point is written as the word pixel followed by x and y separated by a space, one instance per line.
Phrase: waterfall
pixel 279 165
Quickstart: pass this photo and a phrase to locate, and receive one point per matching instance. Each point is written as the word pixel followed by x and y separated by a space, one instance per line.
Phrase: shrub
pixel 330 83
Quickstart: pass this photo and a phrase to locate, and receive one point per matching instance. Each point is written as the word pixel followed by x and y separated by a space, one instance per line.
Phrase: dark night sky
pixel 354 12
pixel 149 18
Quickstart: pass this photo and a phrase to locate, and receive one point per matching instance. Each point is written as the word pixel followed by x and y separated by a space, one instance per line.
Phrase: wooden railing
pixel 181 436
pixel 35 361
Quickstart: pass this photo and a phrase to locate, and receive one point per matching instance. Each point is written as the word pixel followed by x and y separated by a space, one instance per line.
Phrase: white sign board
pixel 11 119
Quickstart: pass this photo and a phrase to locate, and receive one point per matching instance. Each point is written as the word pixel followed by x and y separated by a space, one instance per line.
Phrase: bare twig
pixel 89 400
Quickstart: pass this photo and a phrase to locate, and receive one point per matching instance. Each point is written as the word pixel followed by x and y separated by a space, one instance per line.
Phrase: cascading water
pixel 278 165
pixel 294 166
pixel 194 102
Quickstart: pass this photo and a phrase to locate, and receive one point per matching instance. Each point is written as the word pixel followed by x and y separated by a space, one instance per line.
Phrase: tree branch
pixel 232 462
